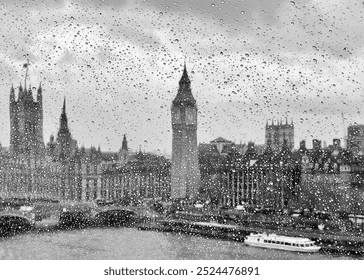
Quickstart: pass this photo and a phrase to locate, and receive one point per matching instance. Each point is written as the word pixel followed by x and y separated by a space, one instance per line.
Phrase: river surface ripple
pixel 133 244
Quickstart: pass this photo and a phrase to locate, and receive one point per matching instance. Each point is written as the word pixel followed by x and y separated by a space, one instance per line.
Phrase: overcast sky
pixel 118 63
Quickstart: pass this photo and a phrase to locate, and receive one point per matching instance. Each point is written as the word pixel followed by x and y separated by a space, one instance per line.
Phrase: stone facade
pixel 62 171
pixel 268 179
pixel 26 122
pixel 86 177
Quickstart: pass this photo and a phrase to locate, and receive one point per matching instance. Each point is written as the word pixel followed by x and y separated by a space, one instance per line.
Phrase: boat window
pixel 265 241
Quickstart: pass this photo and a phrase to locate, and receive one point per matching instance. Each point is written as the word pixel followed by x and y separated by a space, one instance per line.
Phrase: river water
pixel 133 244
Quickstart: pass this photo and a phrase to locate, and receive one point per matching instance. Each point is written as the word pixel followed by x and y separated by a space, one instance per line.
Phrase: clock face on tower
pixel 190 116
pixel 176 115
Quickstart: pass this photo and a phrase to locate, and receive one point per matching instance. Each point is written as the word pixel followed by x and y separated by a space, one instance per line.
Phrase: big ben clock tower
pixel 185 175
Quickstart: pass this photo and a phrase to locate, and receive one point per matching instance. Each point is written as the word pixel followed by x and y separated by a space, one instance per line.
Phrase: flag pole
pixel 26 73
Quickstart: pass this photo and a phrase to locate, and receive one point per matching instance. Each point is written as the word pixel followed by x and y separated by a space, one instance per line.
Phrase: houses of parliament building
pixel 61 170
pixel 220 172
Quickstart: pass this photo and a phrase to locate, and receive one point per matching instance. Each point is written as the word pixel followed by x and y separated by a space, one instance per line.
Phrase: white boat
pixel 281 242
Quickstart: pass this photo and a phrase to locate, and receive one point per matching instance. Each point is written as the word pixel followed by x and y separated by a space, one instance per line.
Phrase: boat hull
pixel 284 247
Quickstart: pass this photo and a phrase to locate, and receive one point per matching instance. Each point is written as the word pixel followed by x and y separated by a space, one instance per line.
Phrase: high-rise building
pixel 185 174
pixel 356 139
pixel 275 134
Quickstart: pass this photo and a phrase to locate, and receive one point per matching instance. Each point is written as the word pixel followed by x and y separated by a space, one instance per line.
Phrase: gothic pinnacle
pixel 64 106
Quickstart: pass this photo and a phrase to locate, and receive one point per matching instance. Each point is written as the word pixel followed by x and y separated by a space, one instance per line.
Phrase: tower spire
pixel 124 145
pixel 64 138
pixel 63 119
pixel 64 106
pixel 185 79
pixel 26 65
pixel 184 94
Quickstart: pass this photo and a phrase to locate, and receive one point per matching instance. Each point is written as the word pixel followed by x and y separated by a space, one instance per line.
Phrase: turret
pixel 12 95
pixel 40 110
pixel 29 94
pixel 12 105
pixel 124 145
pixel 21 93
pixel 39 94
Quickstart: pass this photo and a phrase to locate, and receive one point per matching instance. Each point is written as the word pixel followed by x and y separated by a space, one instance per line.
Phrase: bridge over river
pixel 75 215
pixel 43 217
pixel 13 221
pixel 51 215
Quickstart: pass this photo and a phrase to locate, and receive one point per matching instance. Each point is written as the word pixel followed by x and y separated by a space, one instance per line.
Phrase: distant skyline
pixel 118 64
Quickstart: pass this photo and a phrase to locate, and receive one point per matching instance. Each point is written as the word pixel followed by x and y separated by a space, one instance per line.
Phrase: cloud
pixel 119 62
